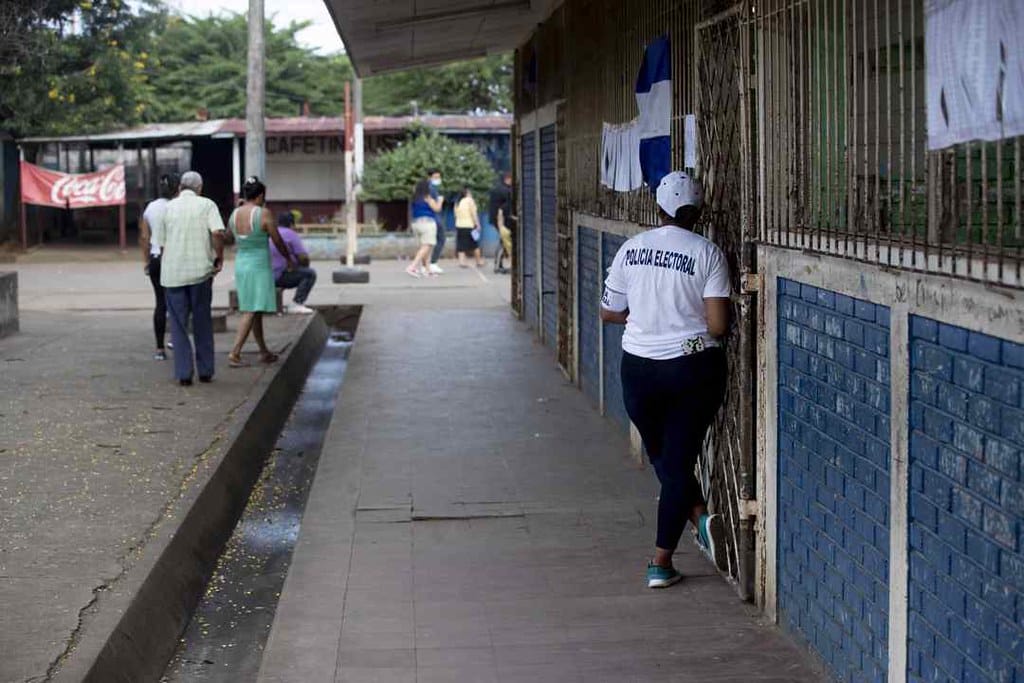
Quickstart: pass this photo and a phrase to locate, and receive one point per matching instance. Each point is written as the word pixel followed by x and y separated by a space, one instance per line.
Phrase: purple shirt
pixel 295 246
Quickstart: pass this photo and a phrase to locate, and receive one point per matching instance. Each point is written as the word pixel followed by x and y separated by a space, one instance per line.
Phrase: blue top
pixel 420 208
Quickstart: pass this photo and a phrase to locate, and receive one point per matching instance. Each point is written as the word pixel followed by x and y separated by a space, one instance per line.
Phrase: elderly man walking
pixel 192 233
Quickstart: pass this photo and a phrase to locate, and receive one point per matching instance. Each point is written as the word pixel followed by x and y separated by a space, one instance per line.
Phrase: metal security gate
pixel 548 237
pixel 724 163
pixel 528 221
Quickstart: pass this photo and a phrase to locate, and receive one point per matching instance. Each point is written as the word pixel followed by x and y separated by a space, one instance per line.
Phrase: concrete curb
pixel 134 626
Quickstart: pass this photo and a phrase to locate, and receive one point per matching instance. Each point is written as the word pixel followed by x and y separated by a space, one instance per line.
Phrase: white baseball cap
pixel 678 189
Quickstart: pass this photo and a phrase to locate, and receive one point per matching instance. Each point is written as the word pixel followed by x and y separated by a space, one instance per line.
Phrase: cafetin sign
pixel 72 191
pixel 43 187
pixel 318 145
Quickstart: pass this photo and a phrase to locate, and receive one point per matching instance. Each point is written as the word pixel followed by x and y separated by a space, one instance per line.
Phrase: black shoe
pixel 205 379
pixel 185 382
pixel 160 355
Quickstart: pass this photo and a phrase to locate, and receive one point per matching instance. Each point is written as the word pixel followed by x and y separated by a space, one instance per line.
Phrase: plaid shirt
pixel 186 235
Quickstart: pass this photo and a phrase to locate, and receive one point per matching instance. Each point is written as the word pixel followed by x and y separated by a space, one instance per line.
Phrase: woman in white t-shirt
pixel 670 287
pixel 151 219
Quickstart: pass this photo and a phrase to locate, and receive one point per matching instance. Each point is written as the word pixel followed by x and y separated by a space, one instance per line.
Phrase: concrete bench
pixel 8 303
pixel 220 321
pixel 350 276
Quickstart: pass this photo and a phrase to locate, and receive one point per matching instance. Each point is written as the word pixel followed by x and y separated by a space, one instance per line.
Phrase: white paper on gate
pixel 690 141
pixel 975 70
pixel 608 151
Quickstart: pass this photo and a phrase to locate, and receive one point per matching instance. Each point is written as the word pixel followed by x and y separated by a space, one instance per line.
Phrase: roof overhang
pixel 391 35
pixel 489 124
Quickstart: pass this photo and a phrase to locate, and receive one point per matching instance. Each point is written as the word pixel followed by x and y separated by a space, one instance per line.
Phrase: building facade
pixel 869 455
pixel 305 168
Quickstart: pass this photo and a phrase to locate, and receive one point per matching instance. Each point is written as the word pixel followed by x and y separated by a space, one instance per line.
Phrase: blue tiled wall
pixel 531 272
pixel 549 235
pixel 966 506
pixel 590 284
pixel 612 343
pixel 834 435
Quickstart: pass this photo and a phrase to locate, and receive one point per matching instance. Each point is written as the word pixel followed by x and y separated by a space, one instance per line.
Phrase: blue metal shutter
pixel 549 235
pixel 589 274
pixel 613 406
pixel 529 226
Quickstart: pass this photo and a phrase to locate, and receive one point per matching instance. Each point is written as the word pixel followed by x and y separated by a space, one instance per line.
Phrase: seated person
pixel 301 278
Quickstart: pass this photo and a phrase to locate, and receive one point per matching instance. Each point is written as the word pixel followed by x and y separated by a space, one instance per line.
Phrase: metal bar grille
pixel 602 61
pixel 844 156
pixel 812 124
pixel 726 464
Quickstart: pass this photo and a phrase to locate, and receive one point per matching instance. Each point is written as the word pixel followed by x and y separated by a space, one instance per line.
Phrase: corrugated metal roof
pixel 498 123
pixel 295 125
pixel 291 125
pixel 150 131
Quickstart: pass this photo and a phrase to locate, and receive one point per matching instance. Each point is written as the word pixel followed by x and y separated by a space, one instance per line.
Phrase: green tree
pixel 77 67
pixel 391 175
pixel 200 62
pixel 461 87
pixel 82 66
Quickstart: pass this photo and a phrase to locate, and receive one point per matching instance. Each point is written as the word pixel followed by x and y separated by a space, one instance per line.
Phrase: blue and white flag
pixel 654 98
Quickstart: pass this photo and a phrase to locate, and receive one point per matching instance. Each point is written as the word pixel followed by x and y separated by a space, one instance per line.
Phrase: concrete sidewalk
pixel 122 285
pixel 98 449
pixel 474 520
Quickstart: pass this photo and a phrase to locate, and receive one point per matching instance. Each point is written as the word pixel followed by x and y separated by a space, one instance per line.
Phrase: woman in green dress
pixel 251 229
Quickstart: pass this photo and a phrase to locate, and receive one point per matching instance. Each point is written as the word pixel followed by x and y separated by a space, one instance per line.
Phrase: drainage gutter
pixel 132 629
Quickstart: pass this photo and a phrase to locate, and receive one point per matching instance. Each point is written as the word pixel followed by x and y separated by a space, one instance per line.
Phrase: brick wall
pixel 966 506
pixel 612 344
pixel 528 222
pixel 588 272
pixel 549 236
pixel 834 434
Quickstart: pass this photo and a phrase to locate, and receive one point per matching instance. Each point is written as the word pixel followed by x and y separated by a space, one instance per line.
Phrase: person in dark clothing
pixel 151 253
pixel 500 211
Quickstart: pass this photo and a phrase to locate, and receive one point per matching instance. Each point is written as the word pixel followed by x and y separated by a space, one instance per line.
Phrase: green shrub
pixel 391 175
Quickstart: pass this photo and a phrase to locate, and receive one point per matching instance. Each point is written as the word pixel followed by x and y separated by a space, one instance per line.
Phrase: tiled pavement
pixel 474 519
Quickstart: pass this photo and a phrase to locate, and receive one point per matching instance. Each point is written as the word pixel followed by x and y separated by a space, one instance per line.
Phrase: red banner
pixel 75 191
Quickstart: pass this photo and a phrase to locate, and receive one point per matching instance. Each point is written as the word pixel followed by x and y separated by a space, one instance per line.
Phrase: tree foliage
pixel 82 66
pixel 201 63
pixel 391 175
pixel 77 67
pixel 474 85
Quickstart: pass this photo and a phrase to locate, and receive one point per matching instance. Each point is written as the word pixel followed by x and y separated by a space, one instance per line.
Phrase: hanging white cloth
pixel 620 157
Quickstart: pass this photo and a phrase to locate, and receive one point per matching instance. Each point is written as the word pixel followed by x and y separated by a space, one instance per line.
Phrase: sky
pixel 321 35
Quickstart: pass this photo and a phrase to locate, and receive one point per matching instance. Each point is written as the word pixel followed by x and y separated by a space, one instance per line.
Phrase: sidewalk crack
pixel 127 559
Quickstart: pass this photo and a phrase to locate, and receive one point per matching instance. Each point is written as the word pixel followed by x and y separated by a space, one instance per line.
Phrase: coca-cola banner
pixel 68 190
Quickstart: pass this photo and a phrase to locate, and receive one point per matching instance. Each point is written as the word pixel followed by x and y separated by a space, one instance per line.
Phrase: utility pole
pixel 350 195
pixel 357 167
pixel 357 105
pixel 255 125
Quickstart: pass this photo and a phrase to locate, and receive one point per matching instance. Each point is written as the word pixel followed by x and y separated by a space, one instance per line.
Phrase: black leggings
pixel 160 312
pixel 672 403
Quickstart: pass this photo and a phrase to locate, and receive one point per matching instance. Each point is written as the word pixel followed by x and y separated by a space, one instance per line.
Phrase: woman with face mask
pixel 434 176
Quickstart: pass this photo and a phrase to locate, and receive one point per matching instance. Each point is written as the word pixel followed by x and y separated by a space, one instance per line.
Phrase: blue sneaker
pixel 711 537
pixel 661 577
